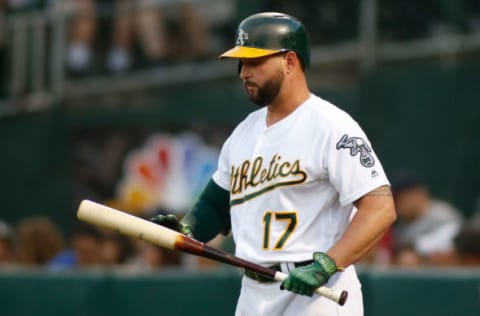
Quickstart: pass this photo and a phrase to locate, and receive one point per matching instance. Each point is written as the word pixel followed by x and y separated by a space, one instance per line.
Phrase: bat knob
pixel 343 298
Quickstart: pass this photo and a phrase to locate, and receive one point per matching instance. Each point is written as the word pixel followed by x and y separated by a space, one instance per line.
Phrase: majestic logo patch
pixel 241 37
pixel 357 145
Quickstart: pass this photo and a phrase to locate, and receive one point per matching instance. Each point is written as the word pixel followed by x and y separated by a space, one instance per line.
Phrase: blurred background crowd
pixel 429 232
pixel 83 83
pixel 111 37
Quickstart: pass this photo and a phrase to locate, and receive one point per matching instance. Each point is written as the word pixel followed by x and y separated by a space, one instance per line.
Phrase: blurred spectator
pixel 424 224
pixel 116 249
pixel 81 35
pixel 146 23
pixel 37 241
pixel 86 247
pixel 332 20
pixel 142 20
pixel 152 257
pixel 467 245
pixel 475 220
pixel 453 16
pixel 163 32
pixel 406 256
pixel 6 244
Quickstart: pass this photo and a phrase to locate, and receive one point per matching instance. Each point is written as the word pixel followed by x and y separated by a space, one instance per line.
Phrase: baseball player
pixel 297 182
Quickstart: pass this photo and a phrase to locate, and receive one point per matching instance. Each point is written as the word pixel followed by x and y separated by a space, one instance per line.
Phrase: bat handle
pixel 337 296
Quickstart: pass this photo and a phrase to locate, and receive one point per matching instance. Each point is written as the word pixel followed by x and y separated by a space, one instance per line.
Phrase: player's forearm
pixel 345 256
pixel 375 214
pixel 210 214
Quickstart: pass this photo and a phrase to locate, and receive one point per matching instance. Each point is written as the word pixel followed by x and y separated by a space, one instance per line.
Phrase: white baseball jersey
pixel 292 184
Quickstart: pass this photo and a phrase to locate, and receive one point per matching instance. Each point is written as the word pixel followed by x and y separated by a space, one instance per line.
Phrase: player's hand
pixel 171 221
pixel 304 280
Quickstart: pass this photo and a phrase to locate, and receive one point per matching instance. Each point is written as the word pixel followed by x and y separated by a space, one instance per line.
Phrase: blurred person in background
pixel 425 225
pixel 455 16
pixel 405 255
pixel 151 25
pixel 85 251
pixel 87 245
pixel 133 20
pixel 6 244
pixel 38 240
pixel 333 20
pixel 146 23
pixel 152 257
pixel 81 35
pixel 475 219
pixel 116 249
pixel 194 37
pixel 467 245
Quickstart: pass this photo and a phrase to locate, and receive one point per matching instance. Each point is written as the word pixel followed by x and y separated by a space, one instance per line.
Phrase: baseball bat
pixel 107 217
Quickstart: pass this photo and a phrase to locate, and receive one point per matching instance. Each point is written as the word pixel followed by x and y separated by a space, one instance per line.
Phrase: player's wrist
pixel 186 229
pixel 327 265
pixel 171 221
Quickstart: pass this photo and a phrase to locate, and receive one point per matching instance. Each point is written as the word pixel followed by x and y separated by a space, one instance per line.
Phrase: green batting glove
pixel 304 280
pixel 171 221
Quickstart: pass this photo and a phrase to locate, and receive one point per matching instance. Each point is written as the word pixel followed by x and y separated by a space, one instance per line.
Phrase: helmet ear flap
pixel 239 67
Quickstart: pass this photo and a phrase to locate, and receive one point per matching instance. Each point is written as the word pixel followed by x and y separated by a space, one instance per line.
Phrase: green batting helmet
pixel 269 33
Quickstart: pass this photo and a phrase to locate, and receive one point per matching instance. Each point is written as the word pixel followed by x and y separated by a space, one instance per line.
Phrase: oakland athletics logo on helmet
pixel 268 33
pixel 241 37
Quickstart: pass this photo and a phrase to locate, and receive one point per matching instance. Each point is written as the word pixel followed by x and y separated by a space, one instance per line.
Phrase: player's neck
pixel 287 101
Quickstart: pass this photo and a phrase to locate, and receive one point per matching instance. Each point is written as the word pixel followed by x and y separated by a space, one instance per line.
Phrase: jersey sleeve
pixel 353 167
pixel 221 176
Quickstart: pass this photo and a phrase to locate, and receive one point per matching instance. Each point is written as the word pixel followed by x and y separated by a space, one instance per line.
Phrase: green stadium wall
pixel 175 293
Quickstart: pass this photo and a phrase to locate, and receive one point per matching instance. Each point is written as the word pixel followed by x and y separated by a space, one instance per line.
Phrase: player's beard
pixel 267 93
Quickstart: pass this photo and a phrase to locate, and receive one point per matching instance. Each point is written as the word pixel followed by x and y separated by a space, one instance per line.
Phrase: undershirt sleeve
pixel 210 214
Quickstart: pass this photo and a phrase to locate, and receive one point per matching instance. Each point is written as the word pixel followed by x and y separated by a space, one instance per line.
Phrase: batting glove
pixel 304 280
pixel 171 221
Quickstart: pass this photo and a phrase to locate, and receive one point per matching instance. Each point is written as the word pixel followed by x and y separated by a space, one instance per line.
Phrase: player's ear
pixel 291 60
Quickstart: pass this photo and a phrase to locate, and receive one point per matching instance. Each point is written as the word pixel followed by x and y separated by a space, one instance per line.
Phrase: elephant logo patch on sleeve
pixel 357 145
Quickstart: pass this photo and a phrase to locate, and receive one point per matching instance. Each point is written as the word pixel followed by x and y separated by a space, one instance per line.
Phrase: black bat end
pixel 343 298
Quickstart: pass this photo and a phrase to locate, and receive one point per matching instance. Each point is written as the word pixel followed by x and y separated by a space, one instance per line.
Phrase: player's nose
pixel 244 71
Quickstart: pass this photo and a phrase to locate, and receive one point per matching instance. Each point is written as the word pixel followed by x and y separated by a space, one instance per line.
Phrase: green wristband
pixel 328 264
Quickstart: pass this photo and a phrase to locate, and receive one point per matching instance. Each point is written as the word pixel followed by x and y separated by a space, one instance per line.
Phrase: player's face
pixel 263 78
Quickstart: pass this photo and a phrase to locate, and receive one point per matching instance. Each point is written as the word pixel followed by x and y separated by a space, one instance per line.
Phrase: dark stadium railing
pixel 33 72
